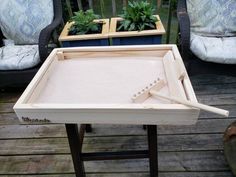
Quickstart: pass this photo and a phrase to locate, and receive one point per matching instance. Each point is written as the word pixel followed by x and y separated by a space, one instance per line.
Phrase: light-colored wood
pixel 189 92
pixel 31 107
pixel 116 51
pixel 192 104
pixel 60 55
pixel 119 48
pixel 175 85
pixel 37 78
pixel 191 146
pixel 160 30
pixel 144 93
pixel 108 54
pixel 65 37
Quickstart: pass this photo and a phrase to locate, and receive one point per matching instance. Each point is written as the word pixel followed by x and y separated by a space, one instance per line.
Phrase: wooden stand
pixel 75 138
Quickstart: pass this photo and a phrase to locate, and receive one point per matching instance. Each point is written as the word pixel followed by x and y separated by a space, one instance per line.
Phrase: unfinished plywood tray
pixel 96 84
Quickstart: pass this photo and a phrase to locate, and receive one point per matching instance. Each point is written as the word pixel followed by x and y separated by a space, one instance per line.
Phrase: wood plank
pixel 6 107
pixel 100 144
pixel 215 89
pixel 41 164
pixel 174 84
pixel 145 174
pixel 103 35
pixel 58 130
pixel 230 108
pixel 9 118
pixel 209 79
pixel 166 143
pixel 113 3
pixel 69 8
pixel 80 4
pixel 168 161
pixel 90 4
pixel 160 30
pixel 32 131
pixel 220 99
pixel 34 146
pixel 9 96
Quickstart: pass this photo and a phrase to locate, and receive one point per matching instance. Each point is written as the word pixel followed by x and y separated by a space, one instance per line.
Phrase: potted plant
pixel 85 29
pixel 137 25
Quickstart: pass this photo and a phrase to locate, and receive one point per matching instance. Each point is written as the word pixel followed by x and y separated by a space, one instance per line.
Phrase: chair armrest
pixel 46 33
pixel 1 38
pixel 184 26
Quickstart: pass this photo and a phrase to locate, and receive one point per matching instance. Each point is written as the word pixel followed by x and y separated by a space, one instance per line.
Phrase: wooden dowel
pixel 192 104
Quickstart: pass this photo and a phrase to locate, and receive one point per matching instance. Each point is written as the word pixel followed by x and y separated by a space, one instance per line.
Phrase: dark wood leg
pixel 75 147
pixel 152 147
pixel 81 134
pixel 88 128
pixel 145 127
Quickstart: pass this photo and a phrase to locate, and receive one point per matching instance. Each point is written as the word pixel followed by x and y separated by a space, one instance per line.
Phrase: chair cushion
pixel 214 49
pixel 212 17
pixel 22 20
pixel 13 57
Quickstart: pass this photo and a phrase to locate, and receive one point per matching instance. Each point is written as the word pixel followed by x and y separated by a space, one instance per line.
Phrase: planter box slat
pixel 136 37
pixel 87 39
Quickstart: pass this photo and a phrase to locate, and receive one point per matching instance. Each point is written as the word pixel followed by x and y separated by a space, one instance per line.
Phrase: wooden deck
pixel 184 151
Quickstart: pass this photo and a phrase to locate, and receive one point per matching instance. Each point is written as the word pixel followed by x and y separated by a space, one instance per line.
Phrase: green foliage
pixel 84 23
pixel 137 17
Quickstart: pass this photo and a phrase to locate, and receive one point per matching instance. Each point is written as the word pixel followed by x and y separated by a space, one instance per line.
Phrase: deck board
pixel 184 151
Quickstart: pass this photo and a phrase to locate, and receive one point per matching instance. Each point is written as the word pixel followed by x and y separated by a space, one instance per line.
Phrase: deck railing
pixel 108 8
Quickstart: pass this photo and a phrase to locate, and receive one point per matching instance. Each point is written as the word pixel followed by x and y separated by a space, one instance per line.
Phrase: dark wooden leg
pixel 152 147
pixel 145 127
pixel 75 147
pixel 81 134
pixel 88 128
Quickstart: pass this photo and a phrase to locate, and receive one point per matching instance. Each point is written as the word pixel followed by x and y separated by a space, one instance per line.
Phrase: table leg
pixel 75 147
pixel 88 128
pixel 152 147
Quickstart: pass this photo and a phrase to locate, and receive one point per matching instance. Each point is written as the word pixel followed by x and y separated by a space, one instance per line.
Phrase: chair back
pixel 212 17
pixel 23 20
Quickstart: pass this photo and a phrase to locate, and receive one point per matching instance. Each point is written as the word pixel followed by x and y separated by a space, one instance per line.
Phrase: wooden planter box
pixel 136 37
pixel 87 39
pixel 96 85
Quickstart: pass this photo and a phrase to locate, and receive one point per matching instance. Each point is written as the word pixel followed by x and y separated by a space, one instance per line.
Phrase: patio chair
pixel 208 36
pixel 26 28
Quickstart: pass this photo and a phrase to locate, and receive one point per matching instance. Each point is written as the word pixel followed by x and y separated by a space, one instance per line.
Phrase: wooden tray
pixel 96 84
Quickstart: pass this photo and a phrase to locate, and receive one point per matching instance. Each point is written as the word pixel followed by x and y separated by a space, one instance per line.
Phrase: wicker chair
pixel 194 64
pixel 9 78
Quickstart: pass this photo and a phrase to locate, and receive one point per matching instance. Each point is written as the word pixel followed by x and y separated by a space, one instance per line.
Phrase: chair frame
pixel 193 64
pixel 13 78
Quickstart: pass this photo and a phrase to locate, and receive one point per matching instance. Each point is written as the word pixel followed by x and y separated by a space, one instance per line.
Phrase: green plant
pixel 83 23
pixel 137 17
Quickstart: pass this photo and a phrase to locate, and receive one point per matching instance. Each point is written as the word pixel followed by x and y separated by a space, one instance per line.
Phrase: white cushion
pixel 22 20
pixel 13 57
pixel 214 49
pixel 212 17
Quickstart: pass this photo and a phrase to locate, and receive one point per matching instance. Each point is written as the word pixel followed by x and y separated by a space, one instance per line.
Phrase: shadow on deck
pixel 184 151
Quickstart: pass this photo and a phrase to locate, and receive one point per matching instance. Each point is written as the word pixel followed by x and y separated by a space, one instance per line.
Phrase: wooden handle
pixel 192 104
